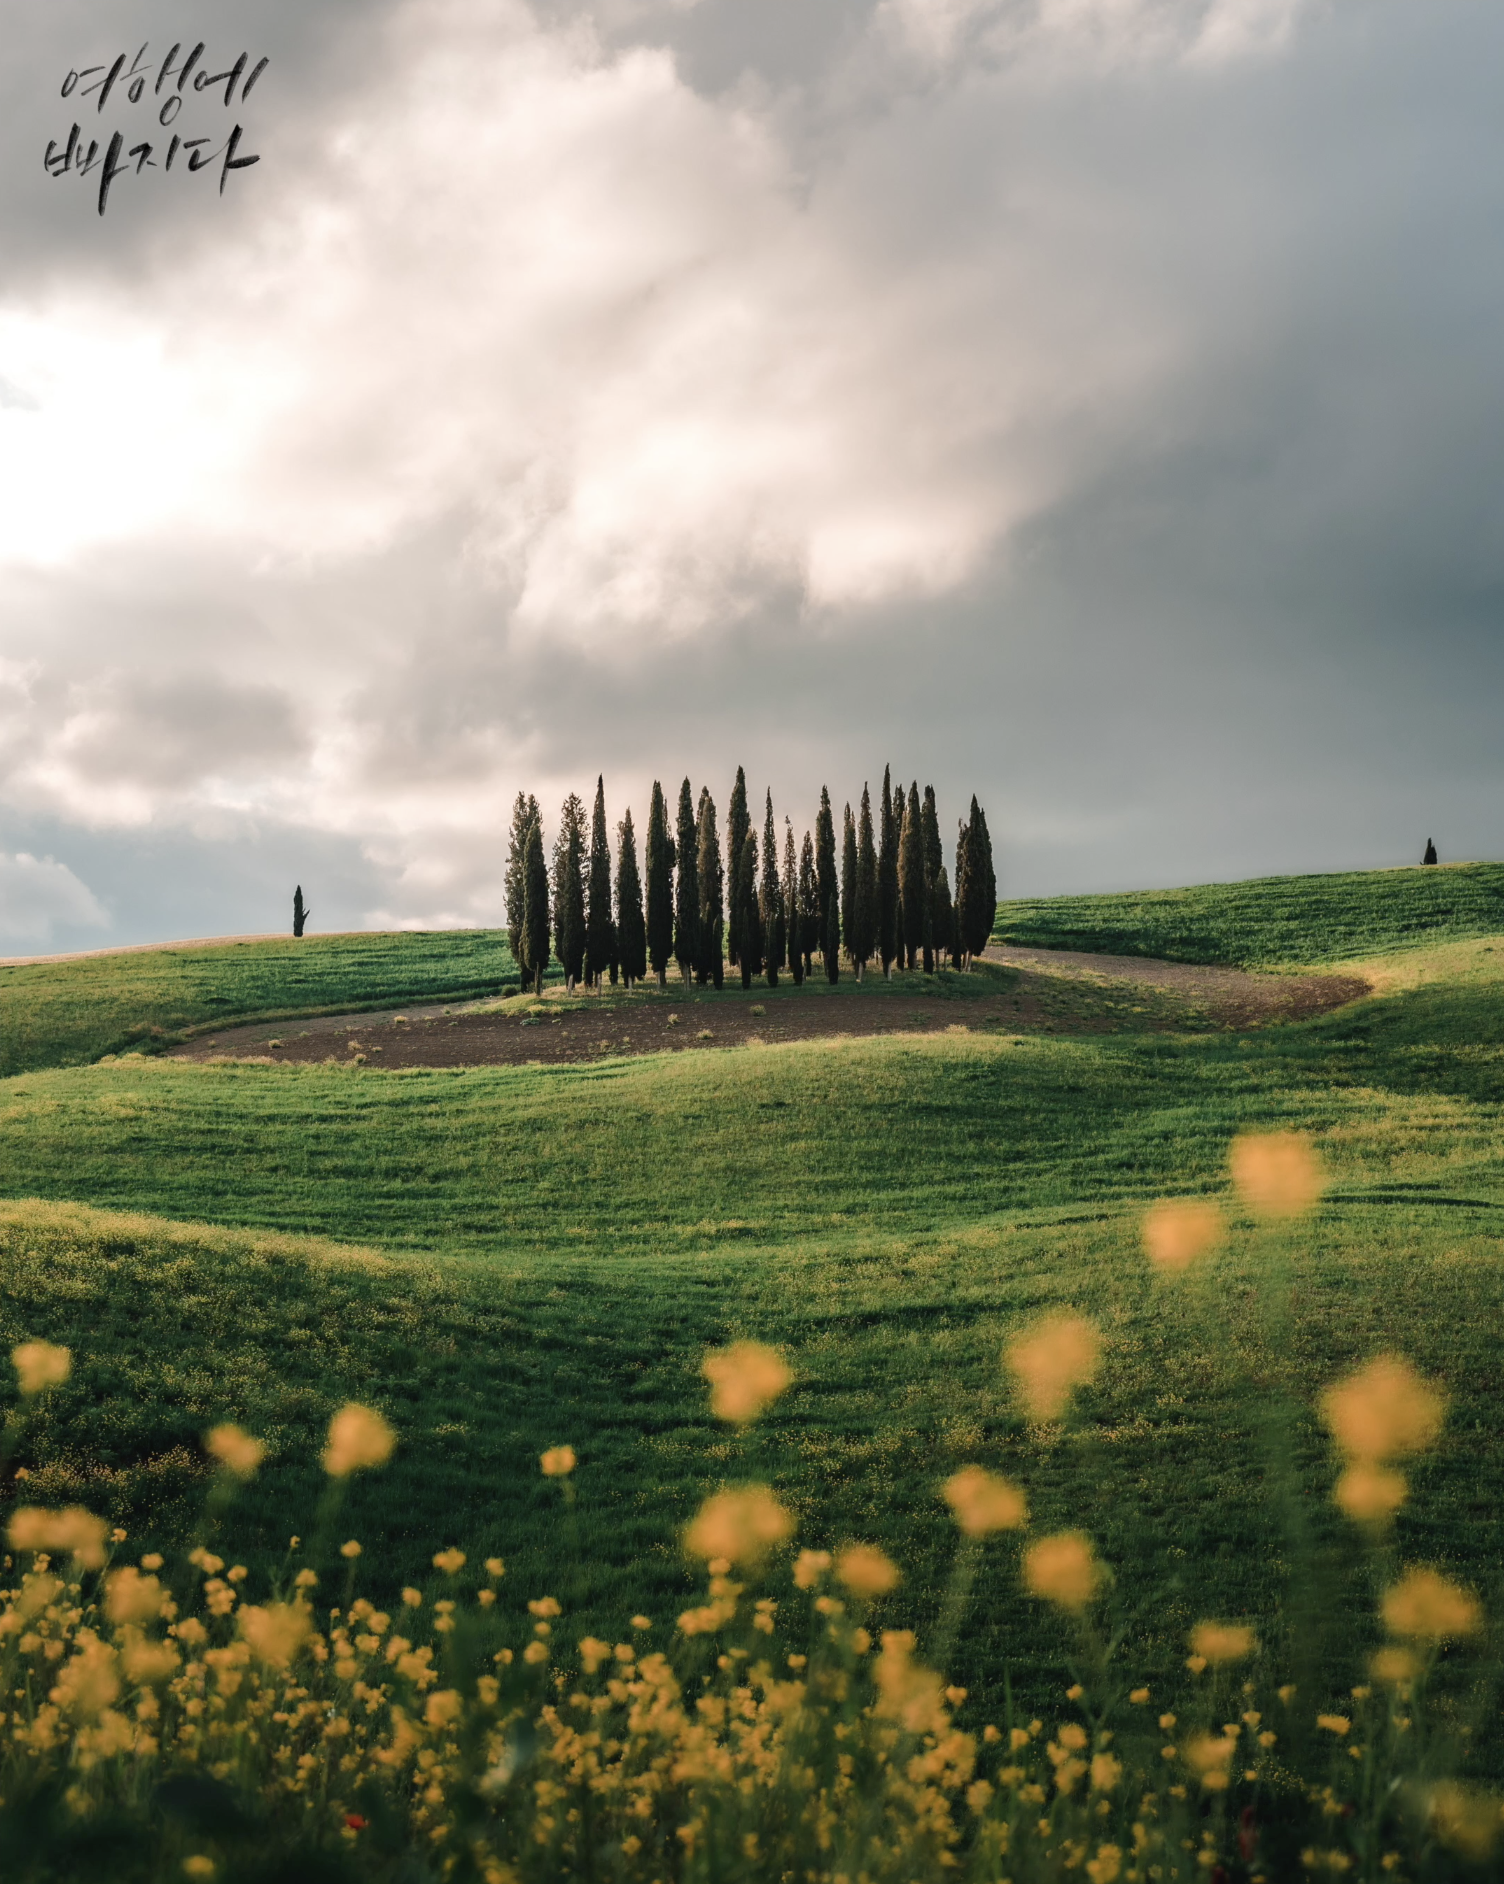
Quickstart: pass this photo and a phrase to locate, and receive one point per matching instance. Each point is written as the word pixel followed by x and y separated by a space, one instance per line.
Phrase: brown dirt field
pixel 1038 992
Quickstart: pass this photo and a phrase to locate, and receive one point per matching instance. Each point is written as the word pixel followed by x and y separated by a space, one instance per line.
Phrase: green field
pixel 69 1013
pixel 1270 921
pixel 518 1257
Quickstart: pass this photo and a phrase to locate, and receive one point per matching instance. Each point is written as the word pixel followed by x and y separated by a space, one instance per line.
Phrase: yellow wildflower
pixel 1464 1819
pixel 73 1530
pixel 558 1461
pixel 444 1708
pixel 1062 1569
pixel 1383 1411
pixel 451 1561
pixel 1061 1353
pixel 1426 1607
pixel 495 1567
pixel 130 1597
pixel 39 1365
pixel 1393 1666
pixel 809 1567
pixel 1180 1229
pixel 235 1449
pixel 1370 1494
pixel 358 1439
pixel 983 1502
pixel 741 1525
pixel 350 1548
pixel 1277 1174
pixel 745 1379
pixel 89 1682
pixel 1106 1771
pixel 277 1632
pixel 865 1570
pixel 1107 1866
pixel 199 1866
pixel 1223 1641
pixel 1337 1724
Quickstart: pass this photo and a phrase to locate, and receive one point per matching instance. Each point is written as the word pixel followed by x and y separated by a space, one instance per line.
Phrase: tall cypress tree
pixel 965 892
pixel 887 879
pixel 631 931
pixel 947 943
pixel 712 892
pixel 864 904
pixel 911 878
pixel 738 823
pixel 524 813
pixel 687 888
pixel 600 929
pixel 934 862
pixel 770 900
pixel 794 938
pixel 533 939
pixel 848 880
pixel 832 943
pixel 827 883
pixel 660 887
pixel 750 958
pixel 811 927
pixel 569 891
pixel 979 906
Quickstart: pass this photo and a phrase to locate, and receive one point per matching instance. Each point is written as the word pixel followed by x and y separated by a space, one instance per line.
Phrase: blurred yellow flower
pixel 235 1449
pixel 1179 1230
pixel 1062 1569
pixel 451 1561
pixel 1383 1411
pixel 558 1461
pixel 1337 1724
pixel 39 1365
pixel 1106 1771
pixel 1060 1353
pixel 130 1597
pixel 358 1439
pixel 1208 1755
pixel 89 1682
pixel 1370 1494
pixel 1277 1174
pixel 275 1633
pixel 199 1866
pixel 350 1549
pixel 74 1530
pixel 983 1502
pixel 741 1526
pixel 1223 1641
pixel 495 1567
pixel 809 1567
pixel 744 1379
pixel 1393 1665
pixel 1426 1607
pixel 1465 1820
pixel 866 1571
pixel 907 1691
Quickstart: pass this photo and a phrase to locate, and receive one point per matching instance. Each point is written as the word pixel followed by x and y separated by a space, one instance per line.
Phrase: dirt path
pixel 1038 992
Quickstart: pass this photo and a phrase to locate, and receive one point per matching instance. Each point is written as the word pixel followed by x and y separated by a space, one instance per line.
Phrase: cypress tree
pixel 832 946
pixel 934 860
pixel 770 900
pixel 569 891
pixel 687 889
pixel 524 813
pixel 811 926
pixel 980 907
pixel 946 943
pixel 887 880
pixel 826 882
pixel 600 930
pixel 660 887
pixel 911 879
pixel 864 904
pixel 533 939
pixel 794 953
pixel 750 959
pixel 965 891
pixel 712 893
pixel 848 880
pixel 631 931
pixel 738 823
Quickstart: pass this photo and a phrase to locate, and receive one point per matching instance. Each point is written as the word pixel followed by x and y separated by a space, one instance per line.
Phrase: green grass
pixel 1270 922
pixel 68 1013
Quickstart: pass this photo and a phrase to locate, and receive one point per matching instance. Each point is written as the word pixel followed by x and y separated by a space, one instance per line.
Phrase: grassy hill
pixel 68 1013
pixel 1270 922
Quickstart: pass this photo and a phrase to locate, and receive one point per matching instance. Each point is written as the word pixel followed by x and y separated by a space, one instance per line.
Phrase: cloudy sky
pixel 1095 404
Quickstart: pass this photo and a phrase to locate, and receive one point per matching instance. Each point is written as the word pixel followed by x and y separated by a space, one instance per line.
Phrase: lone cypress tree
pixel 569 891
pixel 887 879
pixel 738 823
pixel 750 959
pixel 794 929
pixel 848 880
pixel 934 861
pixel 660 887
pixel 600 930
pixel 832 945
pixel 911 879
pixel 524 813
pixel 631 931
pixel 687 888
pixel 864 904
pixel 811 927
pixel 533 941
pixel 826 880
pixel 770 900
pixel 712 893
pixel 300 911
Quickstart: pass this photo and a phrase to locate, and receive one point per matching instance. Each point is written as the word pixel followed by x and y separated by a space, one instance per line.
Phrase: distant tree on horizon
pixel 934 862
pixel 600 928
pixel 848 880
pixel 976 884
pixel 864 906
pixel 687 888
pixel 660 887
pixel 631 931
pixel 810 926
pixel 911 879
pixel 827 882
pixel 524 813
pixel 708 966
pixel 789 888
pixel 533 939
pixel 770 900
pixel 887 879
pixel 738 823
pixel 569 890
pixel 750 959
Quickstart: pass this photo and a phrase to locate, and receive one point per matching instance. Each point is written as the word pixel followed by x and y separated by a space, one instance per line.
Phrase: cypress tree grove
pixel 631 931
pixel 790 889
pixel 887 880
pixel 848 879
pixel 600 929
pixel 810 925
pixel 826 881
pixel 712 893
pixel 533 941
pixel 832 943
pixel 524 813
pixel 946 943
pixel 750 958
pixel 738 823
pixel 934 862
pixel 770 901
pixel 911 878
pixel 660 887
pixel 687 890
pixel 569 891
pixel 864 903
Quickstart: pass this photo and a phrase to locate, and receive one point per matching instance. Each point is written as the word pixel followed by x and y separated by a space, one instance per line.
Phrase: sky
pixel 1095 405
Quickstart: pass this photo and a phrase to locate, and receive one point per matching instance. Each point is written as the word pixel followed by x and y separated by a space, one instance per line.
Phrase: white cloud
pixel 38 895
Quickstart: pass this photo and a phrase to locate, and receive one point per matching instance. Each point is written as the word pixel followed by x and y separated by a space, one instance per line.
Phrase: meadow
pixel 507 1259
